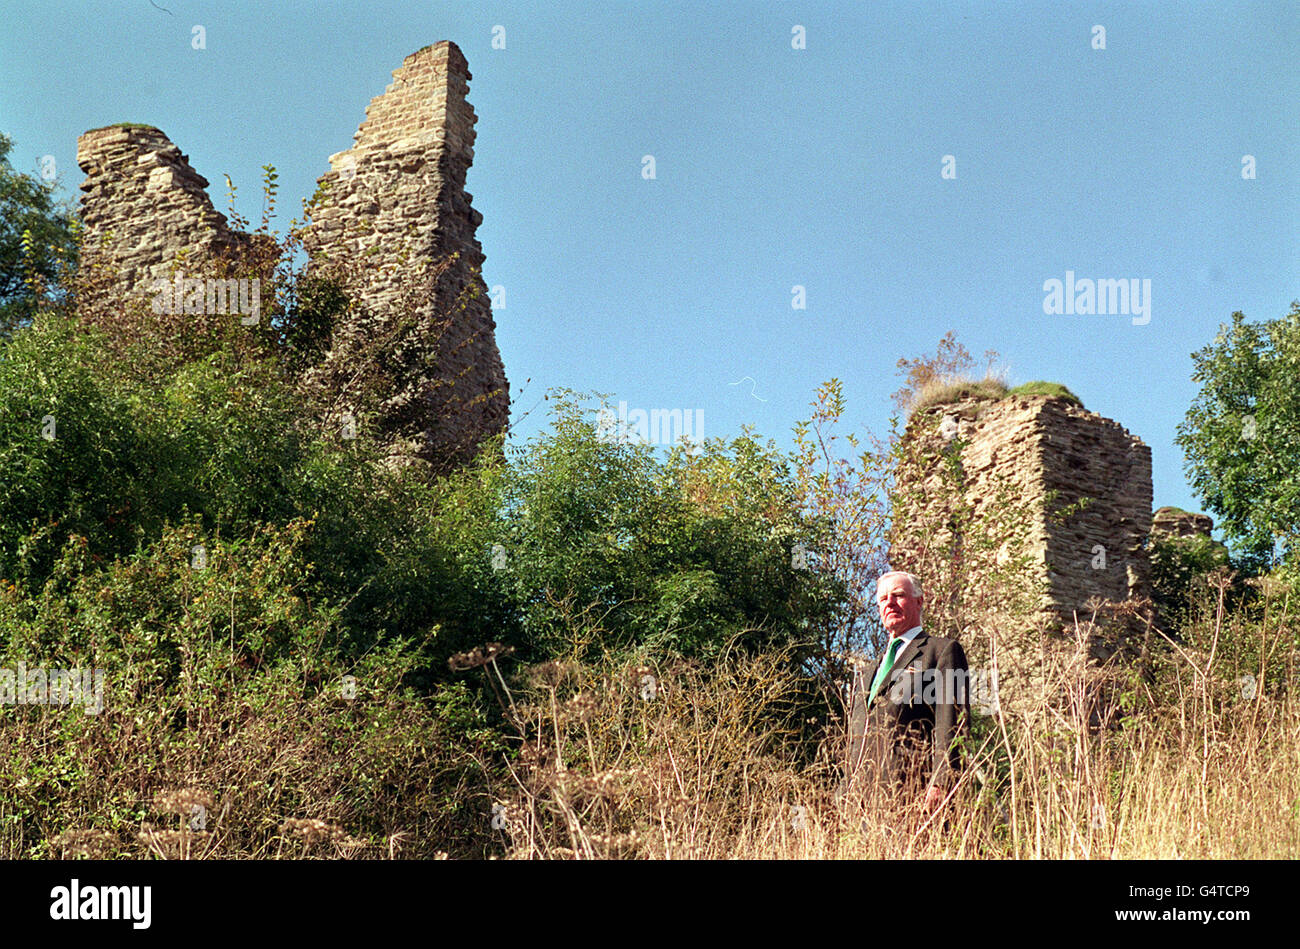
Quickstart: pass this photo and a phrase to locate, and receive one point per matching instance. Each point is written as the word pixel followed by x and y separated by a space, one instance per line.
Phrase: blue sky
pixel 775 167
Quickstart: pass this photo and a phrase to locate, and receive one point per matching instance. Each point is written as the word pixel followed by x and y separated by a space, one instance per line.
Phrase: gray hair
pixel 912 581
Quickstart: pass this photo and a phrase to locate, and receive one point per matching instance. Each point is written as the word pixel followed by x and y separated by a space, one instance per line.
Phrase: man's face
pixel 899 609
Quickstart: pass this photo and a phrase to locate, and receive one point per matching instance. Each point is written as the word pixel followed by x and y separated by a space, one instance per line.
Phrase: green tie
pixel 883 672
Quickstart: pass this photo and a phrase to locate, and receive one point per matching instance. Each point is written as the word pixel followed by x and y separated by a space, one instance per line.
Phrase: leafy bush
pixel 89 451
pixel 72 458
pixel 1241 436
pixel 675 555
pixel 223 682
pixel 38 247
pixel 1179 566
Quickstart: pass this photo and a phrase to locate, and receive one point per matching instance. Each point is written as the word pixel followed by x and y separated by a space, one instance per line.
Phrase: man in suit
pixel 910 705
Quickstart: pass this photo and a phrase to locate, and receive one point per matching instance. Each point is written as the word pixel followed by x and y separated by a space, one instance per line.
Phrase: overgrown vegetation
pixel 575 647
pixel 38 233
pixel 1041 387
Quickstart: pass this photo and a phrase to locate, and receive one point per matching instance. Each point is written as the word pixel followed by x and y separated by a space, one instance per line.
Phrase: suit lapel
pixel 909 653
pixel 864 742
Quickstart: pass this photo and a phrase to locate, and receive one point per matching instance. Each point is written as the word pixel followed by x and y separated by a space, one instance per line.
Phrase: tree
pixel 675 554
pixel 37 242
pixel 1241 435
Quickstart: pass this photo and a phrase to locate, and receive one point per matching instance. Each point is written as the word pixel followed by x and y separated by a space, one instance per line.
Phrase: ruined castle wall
pixel 1042 452
pixel 1099 551
pixel 392 222
pixel 1021 457
pixel 393 207
pixel 1003 448
pixel 144 207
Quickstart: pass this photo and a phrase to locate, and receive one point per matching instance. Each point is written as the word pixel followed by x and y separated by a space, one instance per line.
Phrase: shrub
pixel 72 459
pixel 221 677
pixel 676 556
pixel 1180 566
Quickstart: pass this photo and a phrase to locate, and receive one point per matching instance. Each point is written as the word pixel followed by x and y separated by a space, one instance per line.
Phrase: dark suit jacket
pixel 905 738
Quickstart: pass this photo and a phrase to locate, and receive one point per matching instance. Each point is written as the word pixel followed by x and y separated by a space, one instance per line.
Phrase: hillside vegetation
pixel 579 646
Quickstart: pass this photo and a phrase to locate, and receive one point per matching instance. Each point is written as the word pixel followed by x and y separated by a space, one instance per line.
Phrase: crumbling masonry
pixel 144 208
pixel 1022 460
pixel 392 224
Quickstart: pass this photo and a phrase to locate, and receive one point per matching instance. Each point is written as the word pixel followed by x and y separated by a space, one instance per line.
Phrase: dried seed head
pixel 87 842
pixel 478 656
pixel 184 801
pixel 582 706
pixel 312 831
pixel 552 674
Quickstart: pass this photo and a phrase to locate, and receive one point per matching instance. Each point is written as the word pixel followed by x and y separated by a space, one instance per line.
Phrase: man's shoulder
pixel 942 641
pixel 938 645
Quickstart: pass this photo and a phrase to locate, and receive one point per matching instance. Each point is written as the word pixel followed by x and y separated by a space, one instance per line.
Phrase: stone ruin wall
pixel 1037 445
pixel 392 207
pixel 1087 456
pixel 1034 445
pixel 144 209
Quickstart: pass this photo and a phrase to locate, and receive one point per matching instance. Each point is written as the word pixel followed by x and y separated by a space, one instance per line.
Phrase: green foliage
pixel 87 450
pixel 1179 565
pixel 1241 435
pixel 225 564
pixel 1041 387
pixel 312 305
pixel 71 459
pixel 218 673
pixel 125 125
pixel 1242 628
pixel 844 495
pixel 37 242
pixel 674 556
pixel 175 512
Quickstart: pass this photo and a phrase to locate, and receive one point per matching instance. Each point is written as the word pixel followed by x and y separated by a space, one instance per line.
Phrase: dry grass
pixel 730 759
pixel 705 766
pixel 724 761
pixel 943 390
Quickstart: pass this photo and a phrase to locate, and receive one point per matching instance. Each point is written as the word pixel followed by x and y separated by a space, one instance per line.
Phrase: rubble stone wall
pixel 1021 459
pixel 1053 454
pixel 392 222
pixel 143 207
pixel 394 208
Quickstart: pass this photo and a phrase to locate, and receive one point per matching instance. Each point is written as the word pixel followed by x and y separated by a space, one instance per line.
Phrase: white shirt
pixel 906 637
